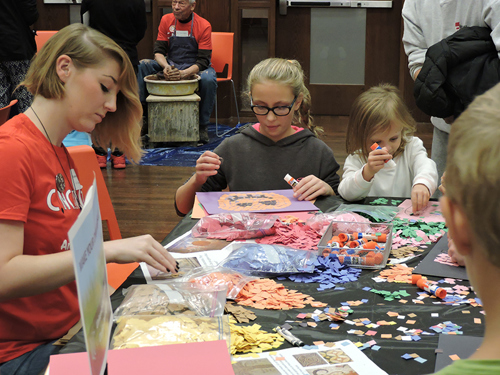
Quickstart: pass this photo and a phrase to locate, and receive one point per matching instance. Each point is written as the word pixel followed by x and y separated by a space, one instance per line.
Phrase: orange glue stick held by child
pixel 422 284
pixel 389 162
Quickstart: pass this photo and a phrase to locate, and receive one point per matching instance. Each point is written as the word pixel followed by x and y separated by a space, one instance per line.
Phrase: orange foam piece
pixel 268 294
pixel 398 273
pixel 118 273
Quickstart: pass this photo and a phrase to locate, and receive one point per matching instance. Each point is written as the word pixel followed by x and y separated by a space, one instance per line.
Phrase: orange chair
pixel 87 166
pixel 5 111
pixel 42 36
pixel 222 56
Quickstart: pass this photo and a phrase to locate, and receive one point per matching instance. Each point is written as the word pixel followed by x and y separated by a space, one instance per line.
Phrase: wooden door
pixel 382 54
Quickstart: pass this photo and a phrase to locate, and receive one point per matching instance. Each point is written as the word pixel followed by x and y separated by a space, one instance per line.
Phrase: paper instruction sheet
pixel 339 358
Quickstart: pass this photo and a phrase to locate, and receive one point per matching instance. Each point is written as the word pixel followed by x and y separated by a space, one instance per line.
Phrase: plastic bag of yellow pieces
pixel 140 331
pixel 250 339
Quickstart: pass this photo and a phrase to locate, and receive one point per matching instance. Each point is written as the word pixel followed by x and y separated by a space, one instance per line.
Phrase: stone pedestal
pixel 173 118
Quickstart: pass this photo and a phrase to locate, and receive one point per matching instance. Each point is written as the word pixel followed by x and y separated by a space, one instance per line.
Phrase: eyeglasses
pixel 281 110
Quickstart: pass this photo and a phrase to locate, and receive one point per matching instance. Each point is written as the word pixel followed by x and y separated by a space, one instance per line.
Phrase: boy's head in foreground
pixel 472 202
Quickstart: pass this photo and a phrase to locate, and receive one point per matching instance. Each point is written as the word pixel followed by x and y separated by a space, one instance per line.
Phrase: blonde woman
pixel 81 80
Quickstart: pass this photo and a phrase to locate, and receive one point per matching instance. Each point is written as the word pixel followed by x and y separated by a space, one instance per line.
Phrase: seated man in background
pixel 184 48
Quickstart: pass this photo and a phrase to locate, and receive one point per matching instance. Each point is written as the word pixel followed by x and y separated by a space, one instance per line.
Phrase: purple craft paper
pixel 266 201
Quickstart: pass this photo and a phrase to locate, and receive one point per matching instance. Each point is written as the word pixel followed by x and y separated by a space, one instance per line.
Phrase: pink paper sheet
pixel 72 363
pixel 207 358
pixel 431 213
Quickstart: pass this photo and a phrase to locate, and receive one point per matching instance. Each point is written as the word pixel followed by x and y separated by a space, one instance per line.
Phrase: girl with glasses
pixel 283 141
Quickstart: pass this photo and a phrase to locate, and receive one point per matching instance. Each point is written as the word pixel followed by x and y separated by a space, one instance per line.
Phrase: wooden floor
pixel 143 196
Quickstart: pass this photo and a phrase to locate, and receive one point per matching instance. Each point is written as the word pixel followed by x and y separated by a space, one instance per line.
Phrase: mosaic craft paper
pixel 253 201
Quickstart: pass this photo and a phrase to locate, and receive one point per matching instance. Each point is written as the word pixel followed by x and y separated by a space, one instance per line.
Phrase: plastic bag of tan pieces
pixel 173 299
pixel 269 260
pixel 214 276
pixel 238 226
pixel 140 331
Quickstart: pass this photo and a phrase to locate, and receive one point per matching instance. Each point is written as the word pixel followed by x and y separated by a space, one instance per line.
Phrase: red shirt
pixel 27 181
pixel 202 30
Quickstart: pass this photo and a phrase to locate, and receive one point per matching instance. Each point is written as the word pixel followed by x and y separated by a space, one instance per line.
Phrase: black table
pixel 389 356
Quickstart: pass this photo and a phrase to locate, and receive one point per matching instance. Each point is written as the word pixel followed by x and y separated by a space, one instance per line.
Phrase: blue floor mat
pixel 186 156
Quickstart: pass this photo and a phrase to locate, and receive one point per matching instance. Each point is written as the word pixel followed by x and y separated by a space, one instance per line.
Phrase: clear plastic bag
pixel 269 260
pixel 140 331
pixel 320 222
pixel 172 299
pixel 202 299
pixel 214 276
pixel 378 214
pixel 235 226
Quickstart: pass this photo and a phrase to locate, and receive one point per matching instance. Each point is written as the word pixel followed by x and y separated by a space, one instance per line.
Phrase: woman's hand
pixel 419 197
pixel 206 165
pixel 140 249
pixel 311 187
pixel 376 161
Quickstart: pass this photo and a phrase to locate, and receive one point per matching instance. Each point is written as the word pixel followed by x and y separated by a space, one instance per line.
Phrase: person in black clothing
pixel 125 22
pixel 17 47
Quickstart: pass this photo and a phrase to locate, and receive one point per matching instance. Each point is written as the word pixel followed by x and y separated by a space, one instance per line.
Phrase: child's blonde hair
pixel 373 112
pixel 472 170
pixel 288 73
pixel 89 48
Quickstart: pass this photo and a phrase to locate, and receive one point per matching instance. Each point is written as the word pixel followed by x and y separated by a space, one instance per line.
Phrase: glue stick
pixel 361 261
pixel 390 162
pixel 422 284
pixel 291 181
pixel 369 236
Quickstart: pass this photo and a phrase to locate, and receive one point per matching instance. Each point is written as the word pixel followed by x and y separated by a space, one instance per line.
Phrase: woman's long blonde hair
pixel 87 48
pixel 288 73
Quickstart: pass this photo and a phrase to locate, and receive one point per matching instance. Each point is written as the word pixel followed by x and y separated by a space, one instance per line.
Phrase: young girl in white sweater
pixel 380 116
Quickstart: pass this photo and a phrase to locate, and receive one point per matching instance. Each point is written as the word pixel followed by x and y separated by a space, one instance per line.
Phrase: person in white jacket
pixel 427 22
pixel 380 116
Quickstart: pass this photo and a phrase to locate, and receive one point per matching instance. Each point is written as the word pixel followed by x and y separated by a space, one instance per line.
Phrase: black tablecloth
pixel 389 356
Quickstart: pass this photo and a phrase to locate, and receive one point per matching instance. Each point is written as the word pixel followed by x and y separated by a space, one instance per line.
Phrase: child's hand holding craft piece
pixel 207 165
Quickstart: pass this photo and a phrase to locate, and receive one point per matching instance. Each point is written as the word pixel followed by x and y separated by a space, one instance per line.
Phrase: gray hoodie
pixel 251 161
